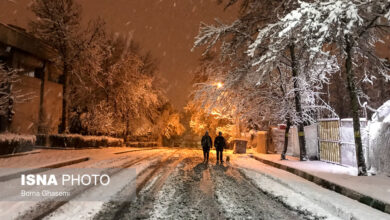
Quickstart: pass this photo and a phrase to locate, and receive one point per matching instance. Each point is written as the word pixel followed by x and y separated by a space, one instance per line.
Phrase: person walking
pixel 219 144
pixel 207 143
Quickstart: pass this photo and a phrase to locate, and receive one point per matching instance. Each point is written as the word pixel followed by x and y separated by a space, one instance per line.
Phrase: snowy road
pixel 185 187
pixel 176 184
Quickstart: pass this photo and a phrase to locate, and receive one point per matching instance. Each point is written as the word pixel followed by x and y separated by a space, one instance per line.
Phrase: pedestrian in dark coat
pixel 219 144
pixel 207 143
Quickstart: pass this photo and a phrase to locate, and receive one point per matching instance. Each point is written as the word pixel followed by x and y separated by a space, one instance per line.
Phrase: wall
pixel 293 141
pixel 347 141
pixel 260 141
pixel 278 141
pixel 25 120
pixel 52 107
pixel 311 138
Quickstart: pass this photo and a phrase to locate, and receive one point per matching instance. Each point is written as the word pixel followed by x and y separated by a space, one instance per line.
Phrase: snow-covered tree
pixel 171 125
pixel 108 84
pixel 276 61
pixel 208 109
pixel 58 23
pixel 133 91
pixel 278 47
pixel 202 121
pixel 89 83
pixel 253 101
pixel 113 90
pixel 354 26
pixel 7 79
pixel 9 95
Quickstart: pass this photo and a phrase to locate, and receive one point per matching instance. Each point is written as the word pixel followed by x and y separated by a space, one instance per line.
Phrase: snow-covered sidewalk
pixel 50 156
pixel 103 159
pixel 370 190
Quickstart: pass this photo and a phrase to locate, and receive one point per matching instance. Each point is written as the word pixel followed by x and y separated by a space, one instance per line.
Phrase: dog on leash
pixel 227 159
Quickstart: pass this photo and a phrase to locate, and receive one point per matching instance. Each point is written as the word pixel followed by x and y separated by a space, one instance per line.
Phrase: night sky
pixel 165 27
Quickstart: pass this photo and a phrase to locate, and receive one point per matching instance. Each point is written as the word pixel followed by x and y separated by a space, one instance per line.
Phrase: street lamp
pixel 219 85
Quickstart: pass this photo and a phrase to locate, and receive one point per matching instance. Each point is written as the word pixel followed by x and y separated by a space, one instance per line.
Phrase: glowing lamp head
pixel 219 85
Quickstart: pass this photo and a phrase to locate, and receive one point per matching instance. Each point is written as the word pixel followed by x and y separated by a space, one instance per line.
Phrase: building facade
pixel 34 61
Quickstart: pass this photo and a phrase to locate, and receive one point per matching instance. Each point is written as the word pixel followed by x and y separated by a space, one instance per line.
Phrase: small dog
pixel 227 159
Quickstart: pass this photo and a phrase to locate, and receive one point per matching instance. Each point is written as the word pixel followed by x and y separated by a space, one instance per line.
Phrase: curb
pixel 19 154
pixel 42 168
pixel 128 151
pixel 65 148
pixel 352 194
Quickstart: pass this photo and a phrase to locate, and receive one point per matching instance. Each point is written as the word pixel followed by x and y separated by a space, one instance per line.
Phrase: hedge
pixel 78 141
pixel 15 143
pixel 141 144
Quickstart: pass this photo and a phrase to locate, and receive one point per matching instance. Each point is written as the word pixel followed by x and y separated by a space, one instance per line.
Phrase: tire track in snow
pixel 149 182
pixel 239 198
pixel 45 208
pixel 188 193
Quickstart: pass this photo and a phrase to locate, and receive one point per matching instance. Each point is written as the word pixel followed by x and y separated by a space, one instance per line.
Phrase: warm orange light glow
pixel 219 85
pixel 215 113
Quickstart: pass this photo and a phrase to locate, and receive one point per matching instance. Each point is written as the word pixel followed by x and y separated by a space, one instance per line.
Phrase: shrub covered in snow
pixel 78 141
pixel 141 144
pixel 379 133
pixel 15 143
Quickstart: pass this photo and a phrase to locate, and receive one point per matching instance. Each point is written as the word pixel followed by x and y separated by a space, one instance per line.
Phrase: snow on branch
pixel 8 94
pixel 210 34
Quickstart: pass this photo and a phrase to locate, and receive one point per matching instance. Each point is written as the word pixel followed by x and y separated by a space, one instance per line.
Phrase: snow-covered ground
pixel 304 195
pixel 379 141
pixel 176 184
pixel 377 187
pixel 103 159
